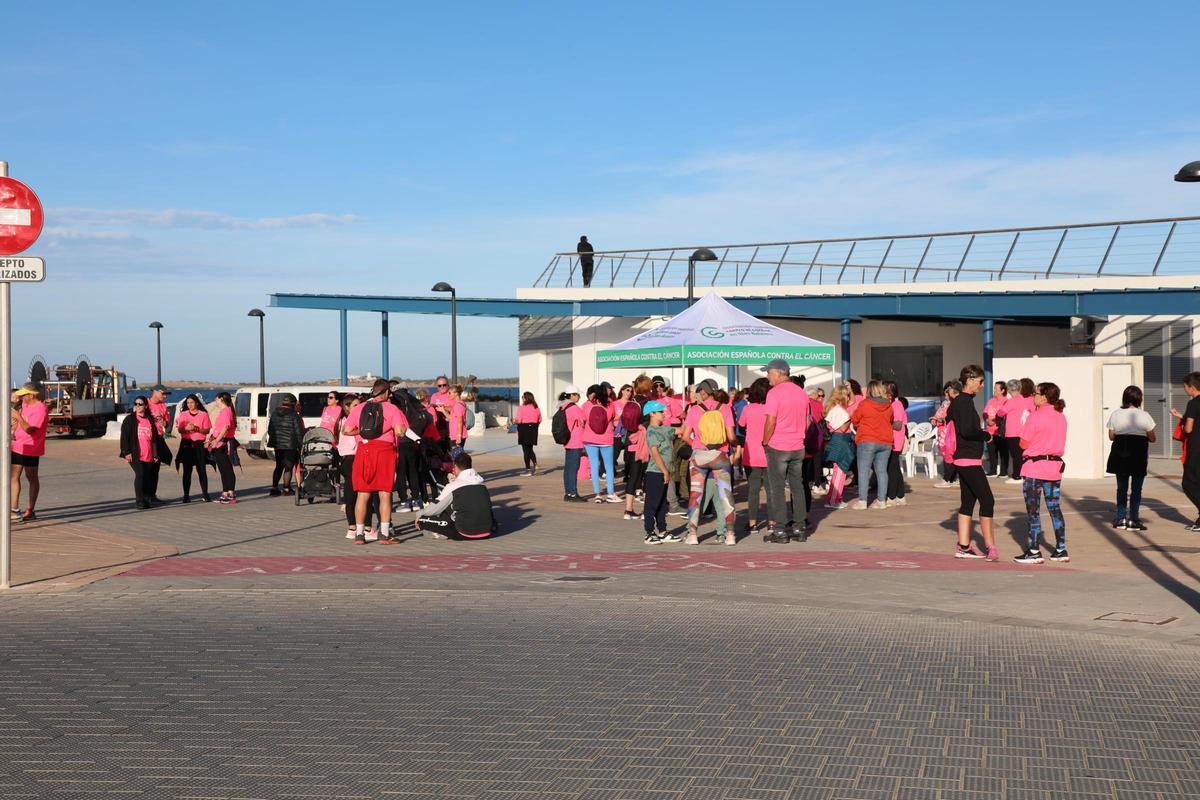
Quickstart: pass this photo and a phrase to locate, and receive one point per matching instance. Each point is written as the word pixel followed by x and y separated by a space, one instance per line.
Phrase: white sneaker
pixel 1015 481
pixel 878 505
pixel 858 505
pixel 350 533
pixel 837 505
pixel 898 501
pixel 612 498
pixel 372 535
pixel 945 485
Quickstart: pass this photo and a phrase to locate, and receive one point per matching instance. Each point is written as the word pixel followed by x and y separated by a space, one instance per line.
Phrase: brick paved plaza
pixel 564 659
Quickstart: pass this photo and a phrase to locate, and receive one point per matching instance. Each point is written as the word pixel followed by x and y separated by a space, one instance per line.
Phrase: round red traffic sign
pixel 20 217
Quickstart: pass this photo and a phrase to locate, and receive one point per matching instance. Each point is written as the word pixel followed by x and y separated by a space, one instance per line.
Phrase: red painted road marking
pixel 614 563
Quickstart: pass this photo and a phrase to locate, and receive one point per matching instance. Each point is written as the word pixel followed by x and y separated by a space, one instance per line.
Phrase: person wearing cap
pixel 284 434
pixel 158 410
pixel 787 421
pixel 30 420
pixel 573 449
pixel 710 470
pixel 659 439
pixel 375 461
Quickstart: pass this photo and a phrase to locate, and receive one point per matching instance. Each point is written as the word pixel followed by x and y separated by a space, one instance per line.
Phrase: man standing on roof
pixel 29 423
pixel 585 260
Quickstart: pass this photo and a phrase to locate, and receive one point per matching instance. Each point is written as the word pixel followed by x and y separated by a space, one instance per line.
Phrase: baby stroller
pixel 316 474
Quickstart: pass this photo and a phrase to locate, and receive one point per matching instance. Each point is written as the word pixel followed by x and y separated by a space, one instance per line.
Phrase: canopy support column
pixel 386 368
pixel 345 353
pixel 731 377
pixel 989 347
pixel 845 349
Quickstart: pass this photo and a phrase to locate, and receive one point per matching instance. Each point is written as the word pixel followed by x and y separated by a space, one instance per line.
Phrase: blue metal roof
pixel 1017 306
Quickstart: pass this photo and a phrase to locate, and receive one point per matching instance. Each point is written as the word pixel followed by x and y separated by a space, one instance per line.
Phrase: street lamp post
pixel 703 254
pixel 442 286
pixel 262 350
pixel 1189 172
pixel 158 326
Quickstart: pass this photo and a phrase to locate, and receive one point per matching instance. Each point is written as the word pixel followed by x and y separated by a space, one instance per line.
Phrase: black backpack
pixel 416 414
pixel 370 424
pixel 558 426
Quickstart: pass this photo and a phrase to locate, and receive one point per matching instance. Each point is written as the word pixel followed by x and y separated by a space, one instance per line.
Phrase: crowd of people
pixel 397 451
pixel 792 446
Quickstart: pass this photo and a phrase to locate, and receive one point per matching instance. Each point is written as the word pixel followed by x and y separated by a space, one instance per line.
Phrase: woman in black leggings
pixel 218 445
pixel 973 487
pixel 528 419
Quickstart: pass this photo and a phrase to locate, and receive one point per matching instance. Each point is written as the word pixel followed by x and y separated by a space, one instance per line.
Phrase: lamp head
pixel 442 286
pixel 156 324
pixel 256 312
pixel 704 254
pixel 1189 173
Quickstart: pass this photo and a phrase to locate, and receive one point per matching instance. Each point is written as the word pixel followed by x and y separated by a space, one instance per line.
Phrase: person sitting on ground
pixel 464 508
pixel 285 431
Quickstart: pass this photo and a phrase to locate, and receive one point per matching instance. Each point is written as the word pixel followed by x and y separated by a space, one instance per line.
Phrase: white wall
pixel 1080 379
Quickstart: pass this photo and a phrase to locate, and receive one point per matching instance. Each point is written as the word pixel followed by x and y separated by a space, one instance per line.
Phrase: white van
pixel 255 404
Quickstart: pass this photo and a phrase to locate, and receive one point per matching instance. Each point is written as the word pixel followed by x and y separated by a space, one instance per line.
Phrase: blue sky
pixel 194 157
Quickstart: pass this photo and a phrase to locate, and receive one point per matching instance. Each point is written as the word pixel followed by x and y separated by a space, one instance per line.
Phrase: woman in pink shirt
pixel 754 458
pixel 528 419
pixel 599 417
pixel 332 412
pixel 193 424
pixel 895 490
pixel 456 415
pixel 140 442
pixel 1043 442
pixel 221 443
pixel 997 449
pixel 1015 410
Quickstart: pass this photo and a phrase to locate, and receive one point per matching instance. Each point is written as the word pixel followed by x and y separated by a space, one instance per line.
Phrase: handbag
pixel 162 451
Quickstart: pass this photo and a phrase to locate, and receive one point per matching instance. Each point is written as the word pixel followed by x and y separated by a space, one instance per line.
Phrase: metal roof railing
pixel 1132 248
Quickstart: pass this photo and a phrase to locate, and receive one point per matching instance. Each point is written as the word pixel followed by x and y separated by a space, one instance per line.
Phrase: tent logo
pixel 712 333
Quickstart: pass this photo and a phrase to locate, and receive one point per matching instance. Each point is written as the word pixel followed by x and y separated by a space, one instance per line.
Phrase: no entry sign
pixel 20 217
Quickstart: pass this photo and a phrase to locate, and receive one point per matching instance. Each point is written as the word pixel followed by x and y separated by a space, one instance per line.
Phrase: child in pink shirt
pixel 1043 442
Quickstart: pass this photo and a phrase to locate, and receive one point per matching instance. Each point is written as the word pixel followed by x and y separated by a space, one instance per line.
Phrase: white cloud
pixel 58 237
pixel 189 218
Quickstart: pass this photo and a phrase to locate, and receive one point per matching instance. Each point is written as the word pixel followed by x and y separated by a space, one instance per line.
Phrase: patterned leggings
pixel 713 481
pixel 1033 489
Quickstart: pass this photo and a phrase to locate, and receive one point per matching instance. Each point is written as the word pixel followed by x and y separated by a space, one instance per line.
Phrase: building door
pixel 1166 352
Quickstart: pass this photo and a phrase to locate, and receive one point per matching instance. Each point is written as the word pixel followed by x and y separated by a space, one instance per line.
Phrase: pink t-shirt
pixel 145 440
pixel 692 422
pixel 458 420
pixel 222 428
pixel 1046 435
pixel 347 444
pixel 789 404
pixel 589 435
pixel 898 437
pixel 753 419
pixel 527 413
pixel 392 417
pixel 330 416
pixel 31 443
pixel 441 399
pixel 198 418
pixel 159 412
pixel 989 412
pixel 576 420
pixel 1015 410
pixel 674 413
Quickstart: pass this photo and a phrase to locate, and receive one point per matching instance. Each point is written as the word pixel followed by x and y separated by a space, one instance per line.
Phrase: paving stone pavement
pixel 381 694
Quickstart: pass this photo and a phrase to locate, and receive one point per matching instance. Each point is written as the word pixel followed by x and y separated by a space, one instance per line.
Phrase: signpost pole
pixel 5 427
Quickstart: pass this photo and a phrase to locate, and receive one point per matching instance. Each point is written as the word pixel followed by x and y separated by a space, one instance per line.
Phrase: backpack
pixel 631 417
pixel 558 426
pixel 417 415
pixel 712 428
pixel 370 424
pixel 598 419
pixel 469 418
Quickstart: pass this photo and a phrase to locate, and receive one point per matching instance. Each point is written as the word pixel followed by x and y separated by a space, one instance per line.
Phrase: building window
pixel 917 369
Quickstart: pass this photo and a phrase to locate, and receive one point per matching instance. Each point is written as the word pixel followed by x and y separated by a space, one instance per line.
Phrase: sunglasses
pixel 442 385
pixel 139 405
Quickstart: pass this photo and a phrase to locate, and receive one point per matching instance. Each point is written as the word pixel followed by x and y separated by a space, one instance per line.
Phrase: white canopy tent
pixel 713 332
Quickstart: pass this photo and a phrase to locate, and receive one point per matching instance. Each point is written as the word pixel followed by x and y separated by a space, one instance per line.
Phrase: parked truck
pixel 81 398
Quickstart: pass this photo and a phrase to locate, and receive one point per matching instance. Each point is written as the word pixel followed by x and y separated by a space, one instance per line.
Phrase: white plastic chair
pixel 922 439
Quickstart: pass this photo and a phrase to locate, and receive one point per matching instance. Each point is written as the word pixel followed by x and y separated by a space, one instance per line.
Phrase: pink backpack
pixel 948 443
